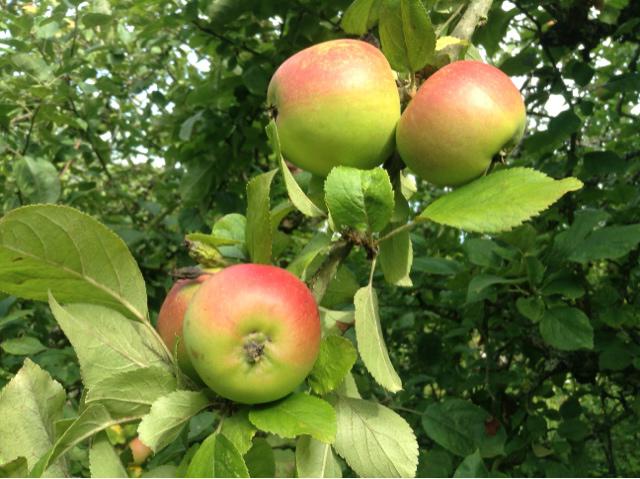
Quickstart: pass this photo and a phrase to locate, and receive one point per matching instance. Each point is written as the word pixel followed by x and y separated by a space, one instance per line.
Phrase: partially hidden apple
pixel 336 103
pixel 461 118
pixel 171 318
pixel 252 332
pixel 139 451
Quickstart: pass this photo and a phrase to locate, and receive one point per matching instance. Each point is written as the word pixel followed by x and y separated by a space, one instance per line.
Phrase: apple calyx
pixel 254 345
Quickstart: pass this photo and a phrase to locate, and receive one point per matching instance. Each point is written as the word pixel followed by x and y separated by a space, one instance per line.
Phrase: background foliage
pixel 150 117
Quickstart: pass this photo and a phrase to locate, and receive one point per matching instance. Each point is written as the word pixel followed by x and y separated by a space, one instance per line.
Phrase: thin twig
pixel 396 231
pixel 28 139
pixel 228 41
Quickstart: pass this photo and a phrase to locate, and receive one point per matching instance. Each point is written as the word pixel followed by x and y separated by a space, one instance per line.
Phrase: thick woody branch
pixel 475 14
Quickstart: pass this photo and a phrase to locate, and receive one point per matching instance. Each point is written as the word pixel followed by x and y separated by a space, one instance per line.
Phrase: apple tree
pixel 480 322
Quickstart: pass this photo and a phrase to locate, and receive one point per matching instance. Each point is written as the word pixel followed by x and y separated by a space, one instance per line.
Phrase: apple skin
pixel 139 450
pixel 336 104
pixel 252 332
pixel 460 118
pixel 171 318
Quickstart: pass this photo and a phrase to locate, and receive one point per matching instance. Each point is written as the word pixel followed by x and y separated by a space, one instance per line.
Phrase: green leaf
pixel 186 129
pixel 14 316
pixel 602 163
pixel 24 346
pixel 359 199
pixel 295 415
pixel 566 329
pixel 285 462
pixel 531 308
pixel 581 72
pixel 396 258
pixel 217 457
pixel 37 180
pixel 231 229
pixel 205 251
pixel 315 459
pixel 617 355
pixel 47 29
pixel 371 345
pixel 360 17
pixel 584 222
pixel 435 463
pixel 559 129
pixel 472 466
pixel 330 320
pixel 521 63
pixel 166 470
pixel 481 282
pixel 82 261
pixel 459 426
pixel 260 459
pixel 198 181
pixel 15 468
pixel 168 416
pixel 309 259
pixel 104 461
pixel 94 19
pixel 131 393
pixel 29 406
pixel 374 440
pixel 482 252
pixel 337 357
pixel 437 266
pixel 107 343
pixel 565 285
pixel 406 33
pixel 34 64
pixel 94 418
pixel 349 388
pixel 239 430
pixel 610 242
pixel 296 195
pixel 341 288
pixel 259 234
pixel 574 429
pixel 491 33
pixel 500 201
pixel 222 12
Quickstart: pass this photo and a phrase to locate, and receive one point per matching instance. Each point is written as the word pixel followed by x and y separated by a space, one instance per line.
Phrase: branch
pixel 475 14
pixel 568 96
pixel 89 139
pixel 228 41
pixel 28 139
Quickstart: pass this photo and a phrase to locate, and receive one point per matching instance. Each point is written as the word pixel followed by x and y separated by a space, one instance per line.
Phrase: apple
pixel 462 117
pixel 171 318
pixel 335 103
pixel 252 332
pixel 139 450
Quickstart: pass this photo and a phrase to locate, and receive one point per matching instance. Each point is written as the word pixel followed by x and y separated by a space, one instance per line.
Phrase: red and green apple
pixel 461 118
pixel 336 103
pixel 252 332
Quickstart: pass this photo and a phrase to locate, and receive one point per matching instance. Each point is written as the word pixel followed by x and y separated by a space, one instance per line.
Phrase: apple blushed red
pixel 336 103
pixel 460 118
pixel 252 332
pixel 171 318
